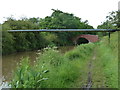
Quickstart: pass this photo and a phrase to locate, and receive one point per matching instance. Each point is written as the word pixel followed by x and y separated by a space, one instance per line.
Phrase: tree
pixel 62 20
pixel 7 43
pixel 111 21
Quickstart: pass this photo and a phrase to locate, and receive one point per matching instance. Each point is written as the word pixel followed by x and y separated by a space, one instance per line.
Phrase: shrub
pixel 27 77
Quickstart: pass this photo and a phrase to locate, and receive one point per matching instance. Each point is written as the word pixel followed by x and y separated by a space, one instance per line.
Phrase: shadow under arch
pixel 81 41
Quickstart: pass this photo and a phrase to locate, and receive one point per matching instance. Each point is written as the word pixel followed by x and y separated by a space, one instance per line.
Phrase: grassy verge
pixel 53 69
pixel 106 63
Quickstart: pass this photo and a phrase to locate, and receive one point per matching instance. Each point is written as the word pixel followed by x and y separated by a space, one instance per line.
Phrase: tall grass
pixel 53 69
pixel 108 56
pixel 27 76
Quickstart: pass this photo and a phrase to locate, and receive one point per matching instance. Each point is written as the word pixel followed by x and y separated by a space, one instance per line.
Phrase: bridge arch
pixel 87 38
pixel 82 41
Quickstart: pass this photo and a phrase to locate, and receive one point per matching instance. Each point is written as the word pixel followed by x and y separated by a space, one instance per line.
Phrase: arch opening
pixel 82 41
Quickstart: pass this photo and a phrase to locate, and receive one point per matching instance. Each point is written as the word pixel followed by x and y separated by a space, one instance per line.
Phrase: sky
pixel 95 11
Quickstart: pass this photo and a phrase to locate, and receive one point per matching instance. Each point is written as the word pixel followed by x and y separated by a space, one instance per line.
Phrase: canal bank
pixel 10 62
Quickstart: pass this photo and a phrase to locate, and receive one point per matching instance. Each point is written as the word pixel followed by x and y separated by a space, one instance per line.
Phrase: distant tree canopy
pixel 62 20
pixel 13 24
pixel 112 21
pixel 58 20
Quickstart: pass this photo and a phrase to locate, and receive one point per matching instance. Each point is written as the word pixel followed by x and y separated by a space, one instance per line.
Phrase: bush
pixel 7 43
pixel 28 77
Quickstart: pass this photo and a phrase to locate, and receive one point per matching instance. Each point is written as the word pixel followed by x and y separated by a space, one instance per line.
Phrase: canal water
pixel 10 62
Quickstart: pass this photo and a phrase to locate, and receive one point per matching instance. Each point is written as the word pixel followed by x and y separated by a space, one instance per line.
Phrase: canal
pixel 10 62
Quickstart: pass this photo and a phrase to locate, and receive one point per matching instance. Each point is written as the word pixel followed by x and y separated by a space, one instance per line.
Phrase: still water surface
pixel 10 62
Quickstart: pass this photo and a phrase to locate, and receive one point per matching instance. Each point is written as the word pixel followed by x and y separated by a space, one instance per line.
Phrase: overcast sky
pixel 94 11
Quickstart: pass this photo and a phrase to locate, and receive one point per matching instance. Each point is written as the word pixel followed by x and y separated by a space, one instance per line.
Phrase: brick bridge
pixel 89 38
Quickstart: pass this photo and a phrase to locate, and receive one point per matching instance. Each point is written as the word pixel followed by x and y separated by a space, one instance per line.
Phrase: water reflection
pixel 10 62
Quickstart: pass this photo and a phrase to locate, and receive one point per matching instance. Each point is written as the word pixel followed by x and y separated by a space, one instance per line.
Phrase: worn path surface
pixel 95 77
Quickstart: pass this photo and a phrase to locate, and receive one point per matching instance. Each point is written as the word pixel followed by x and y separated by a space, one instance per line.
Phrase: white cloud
pixel 94 11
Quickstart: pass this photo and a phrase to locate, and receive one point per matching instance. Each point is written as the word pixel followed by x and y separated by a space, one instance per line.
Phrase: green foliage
pixel 28 77
pixel 21 43
pixel 112 21
pixel 51 56
pixel 108 57
pixel 50 38
pixel 61 71
pixel 7 43
pixel 76 53
pixel 31 41
pixel 62 20
pixel 106 25
pixel 19 24
pixel 31 37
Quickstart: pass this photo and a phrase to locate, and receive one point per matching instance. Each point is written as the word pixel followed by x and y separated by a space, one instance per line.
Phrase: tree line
pixel 112 21
pixel 23 41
